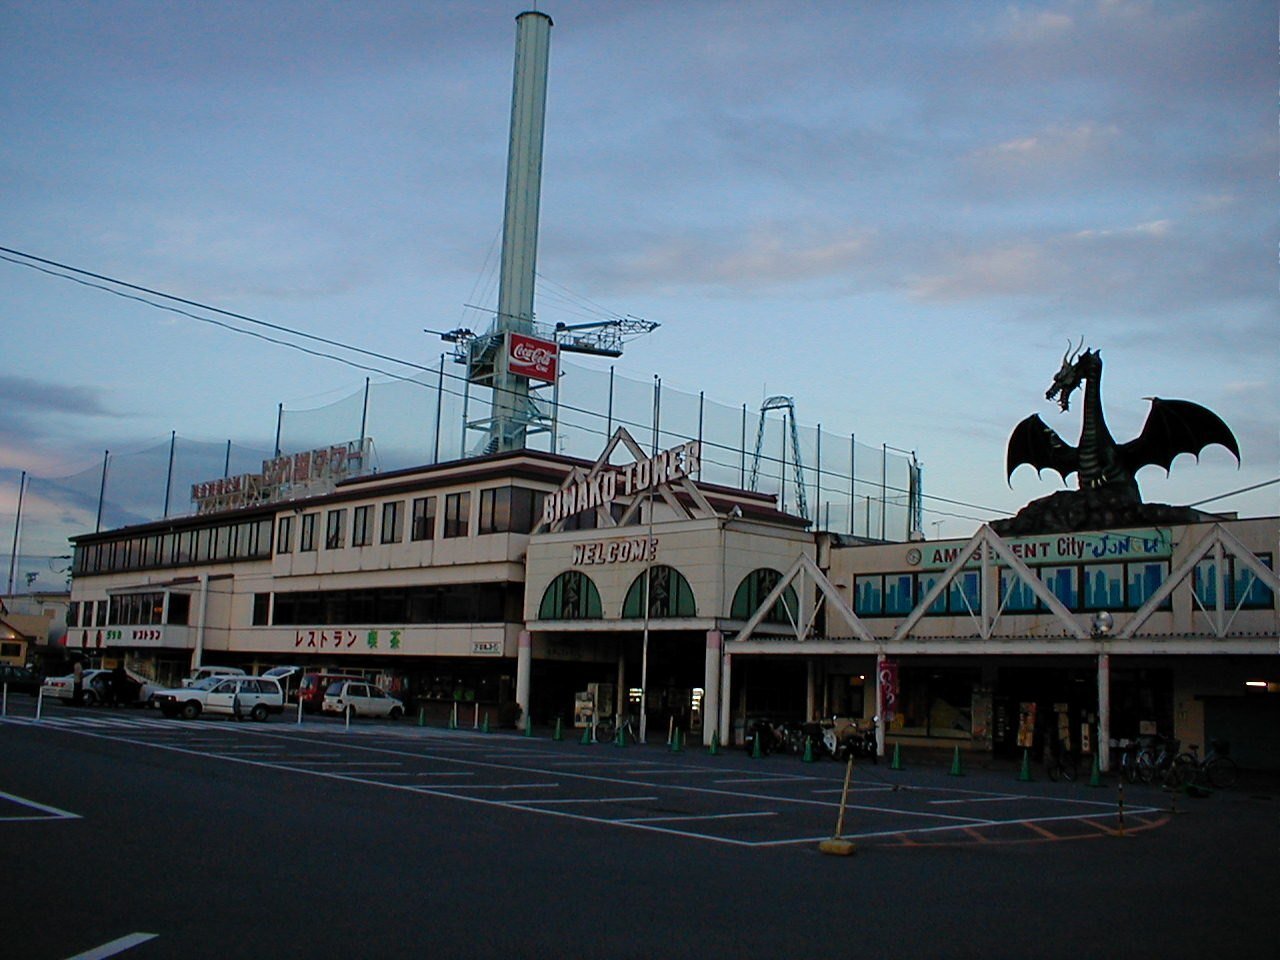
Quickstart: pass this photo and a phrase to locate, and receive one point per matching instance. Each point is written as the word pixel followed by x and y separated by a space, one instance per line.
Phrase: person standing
pixel 77 683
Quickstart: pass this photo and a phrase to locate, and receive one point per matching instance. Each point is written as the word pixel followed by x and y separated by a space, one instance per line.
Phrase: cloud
pixel 19 394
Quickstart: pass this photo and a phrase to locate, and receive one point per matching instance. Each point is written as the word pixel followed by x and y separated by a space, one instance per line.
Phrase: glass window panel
pixel 424 519
pixel 1104 586
pixel 964 592
pixel 1246 586
pixel 1144 579
pixel 1062 583
pixel 868 596
pixel 924 583
pixel 284 538
pixel 1015 594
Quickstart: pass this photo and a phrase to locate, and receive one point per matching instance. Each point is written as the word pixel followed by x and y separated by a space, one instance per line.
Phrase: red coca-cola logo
pixel 534 358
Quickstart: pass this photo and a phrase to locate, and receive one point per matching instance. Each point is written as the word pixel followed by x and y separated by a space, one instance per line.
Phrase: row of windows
pixel 574 596
pixel 501 510
pixel 130 609
pixel 246 540
pixel 452 603
pixel 1080 587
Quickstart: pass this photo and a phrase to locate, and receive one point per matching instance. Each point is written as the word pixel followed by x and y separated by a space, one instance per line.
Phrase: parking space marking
pixel 119 945
pixel 991 799
pixel 50 813
pixel 700 816
pixel 910 815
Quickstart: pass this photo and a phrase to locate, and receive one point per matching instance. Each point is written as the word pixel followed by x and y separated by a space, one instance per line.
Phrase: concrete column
pixel 811 689
pixel 621 696
pixel 726 704
pixel 524 671
pixel 1104 712
pixel 711 687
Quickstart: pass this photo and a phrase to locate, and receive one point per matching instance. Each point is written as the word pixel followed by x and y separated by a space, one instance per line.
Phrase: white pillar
pixel 711 687
pixel 1104 712
pixel 524 669
pixel 202 607
pixel 726 705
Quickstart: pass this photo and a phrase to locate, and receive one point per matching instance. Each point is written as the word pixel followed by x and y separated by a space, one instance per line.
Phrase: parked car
pixel 362 699
pixel 19 679
pixel 254 697
pixel 137 689
pixel 200 673
pixel 312 689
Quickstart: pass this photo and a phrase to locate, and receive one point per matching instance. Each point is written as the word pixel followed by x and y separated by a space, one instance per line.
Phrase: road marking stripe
pixel 1006 796
pixel 705 816
pixel 115 946
pixel 52 811
pixel 541 802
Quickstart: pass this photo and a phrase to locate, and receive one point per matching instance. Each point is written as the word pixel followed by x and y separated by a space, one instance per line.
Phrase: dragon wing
pixel 1036 443
pixel 1174 427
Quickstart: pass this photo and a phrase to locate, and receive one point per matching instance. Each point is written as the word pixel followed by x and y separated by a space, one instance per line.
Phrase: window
pixel 73 613
pixel 424 519
pixel 101 613
pixel 284 535
pixel 362 526
pixel 393 521
pixel 1015 594
pixel 1249 591
pixel 261 609
pixel 752 591
pixel 964 594
pixel 509 509
pixel 571 596
pixel 307 533
pixel 1063 584
pixel 1241 586
pixel 179 608
pixel 335 532
pixel 1103 586
pixel 669 595
pixel 457 514
pixel 455 603
pixel 924 583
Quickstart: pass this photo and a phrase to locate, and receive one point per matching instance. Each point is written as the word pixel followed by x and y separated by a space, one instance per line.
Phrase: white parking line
pixel 53 812
pixel 702 816
pixel 540 803
pixel 115 947
pixel 992 799
pixel 507 786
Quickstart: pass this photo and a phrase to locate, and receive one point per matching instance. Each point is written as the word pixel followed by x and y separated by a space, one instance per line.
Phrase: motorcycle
pixel 844 737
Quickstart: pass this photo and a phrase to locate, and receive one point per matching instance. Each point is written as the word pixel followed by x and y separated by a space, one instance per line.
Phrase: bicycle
pixel 1216 770
pixel 1157 758
pixel 1060 761
pixel 607 730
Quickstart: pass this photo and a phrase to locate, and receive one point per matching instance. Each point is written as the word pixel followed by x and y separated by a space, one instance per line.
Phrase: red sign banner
pixel 889 688
pixel 531 357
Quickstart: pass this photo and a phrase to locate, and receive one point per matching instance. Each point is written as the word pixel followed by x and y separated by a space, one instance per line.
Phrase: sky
pixel 898 214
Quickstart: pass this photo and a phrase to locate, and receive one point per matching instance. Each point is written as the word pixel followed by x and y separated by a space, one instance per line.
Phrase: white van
pixel 201 673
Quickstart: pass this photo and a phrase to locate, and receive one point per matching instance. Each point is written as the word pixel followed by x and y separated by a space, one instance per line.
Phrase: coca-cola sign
pixel 531 357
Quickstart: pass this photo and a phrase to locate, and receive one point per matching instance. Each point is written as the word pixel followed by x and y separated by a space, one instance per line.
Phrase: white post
pixel 524 670
pixel 299 707
pixel 347 713
pixel 475 724
pixel 39 702
pixel 200 615
pixel 711 687
pixel 1104 712
pixel 726 675
pixel 4 703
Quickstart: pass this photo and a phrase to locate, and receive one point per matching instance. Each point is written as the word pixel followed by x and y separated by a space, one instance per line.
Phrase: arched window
pixel 669 595
pixel 754 587
pixel 570 596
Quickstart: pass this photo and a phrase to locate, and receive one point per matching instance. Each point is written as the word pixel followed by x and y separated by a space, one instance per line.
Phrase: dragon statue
pixel 1106 471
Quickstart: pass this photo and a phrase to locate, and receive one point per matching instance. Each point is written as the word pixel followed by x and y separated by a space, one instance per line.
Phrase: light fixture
pixel 1102 623
pixel 1256 683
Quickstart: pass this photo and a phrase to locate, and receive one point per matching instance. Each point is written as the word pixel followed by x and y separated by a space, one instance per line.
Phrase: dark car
pixel 19 679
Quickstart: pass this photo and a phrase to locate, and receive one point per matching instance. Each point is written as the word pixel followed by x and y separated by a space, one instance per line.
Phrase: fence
pixel 845 485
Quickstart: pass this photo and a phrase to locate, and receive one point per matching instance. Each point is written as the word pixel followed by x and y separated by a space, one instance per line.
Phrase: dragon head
pixel 1074 369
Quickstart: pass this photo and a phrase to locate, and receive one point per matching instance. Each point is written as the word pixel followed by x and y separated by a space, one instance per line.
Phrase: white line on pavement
pixel 115 946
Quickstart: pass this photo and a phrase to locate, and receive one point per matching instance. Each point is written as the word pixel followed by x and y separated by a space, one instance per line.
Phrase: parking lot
pixel 728 799
pixel 152 837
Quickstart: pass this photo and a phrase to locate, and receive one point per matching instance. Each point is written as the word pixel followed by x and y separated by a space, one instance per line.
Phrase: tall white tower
pixel 512 407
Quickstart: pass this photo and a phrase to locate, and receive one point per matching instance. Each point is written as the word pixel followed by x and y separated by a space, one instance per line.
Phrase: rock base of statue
pixel 1071 511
